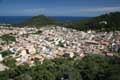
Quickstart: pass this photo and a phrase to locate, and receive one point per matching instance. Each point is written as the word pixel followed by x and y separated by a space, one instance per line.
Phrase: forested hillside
pixel 38 21
pixel 106 22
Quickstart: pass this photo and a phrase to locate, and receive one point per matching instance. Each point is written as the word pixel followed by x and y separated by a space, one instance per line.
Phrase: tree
pixel 91 67
pixel 8 38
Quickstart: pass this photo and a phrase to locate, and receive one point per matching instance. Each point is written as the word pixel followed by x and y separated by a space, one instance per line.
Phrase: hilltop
pixel 39 21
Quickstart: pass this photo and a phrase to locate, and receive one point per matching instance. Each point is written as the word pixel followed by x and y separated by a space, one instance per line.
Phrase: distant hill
pixel 47 20
pixel 40 20
pixel 105 22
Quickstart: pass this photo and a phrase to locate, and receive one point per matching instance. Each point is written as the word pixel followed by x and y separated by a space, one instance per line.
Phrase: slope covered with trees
pixel 106 22
pixel 92 67
pixel 38 21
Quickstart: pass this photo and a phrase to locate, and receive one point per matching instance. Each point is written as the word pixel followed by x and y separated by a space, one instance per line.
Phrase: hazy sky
pixel 58 7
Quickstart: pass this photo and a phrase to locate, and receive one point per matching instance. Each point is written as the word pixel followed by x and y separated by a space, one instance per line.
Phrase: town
pixel 52 42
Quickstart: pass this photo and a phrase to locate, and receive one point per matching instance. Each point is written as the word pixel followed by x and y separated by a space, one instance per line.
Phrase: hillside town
pixel 54 42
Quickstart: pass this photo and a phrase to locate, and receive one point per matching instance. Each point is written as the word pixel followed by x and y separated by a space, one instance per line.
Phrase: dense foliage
pixel 112 19
pixel 6 53
pixel 8 38
pixel 10 62
pixel 90 68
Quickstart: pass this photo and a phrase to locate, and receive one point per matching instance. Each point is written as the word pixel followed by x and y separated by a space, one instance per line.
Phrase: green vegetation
pixel 39 21
pixel 112 19
pixel 6 53
pixel 90 68
pixel 37 32
pixel 8 38
pixel 10 62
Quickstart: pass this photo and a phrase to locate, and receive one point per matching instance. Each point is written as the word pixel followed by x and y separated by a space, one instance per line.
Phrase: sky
pixel 58 7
